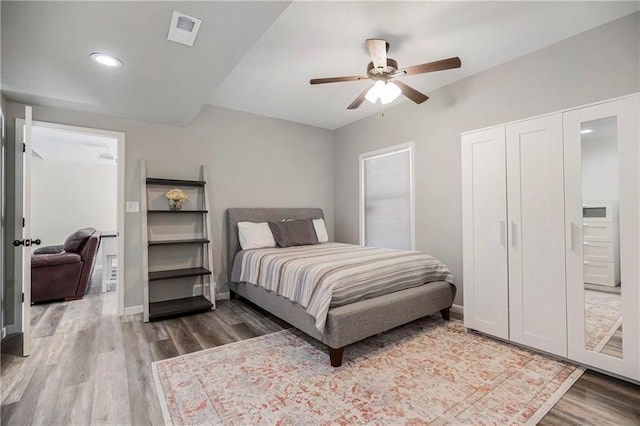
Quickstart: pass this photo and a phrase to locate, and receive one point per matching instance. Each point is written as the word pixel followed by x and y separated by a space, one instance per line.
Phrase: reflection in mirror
pixel 600 237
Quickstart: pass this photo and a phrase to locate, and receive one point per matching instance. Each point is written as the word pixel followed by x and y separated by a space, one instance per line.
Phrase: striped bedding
pixel 332 274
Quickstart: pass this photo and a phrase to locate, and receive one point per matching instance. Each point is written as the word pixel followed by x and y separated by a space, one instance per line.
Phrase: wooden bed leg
pixel 232 294
pixel 446 314
pixel 335 355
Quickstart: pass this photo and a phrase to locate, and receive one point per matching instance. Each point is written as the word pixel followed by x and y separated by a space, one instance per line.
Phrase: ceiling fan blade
pixel 411 93
pixel 358 101
pixel 338 79
pixel 378 51
pixel 444 64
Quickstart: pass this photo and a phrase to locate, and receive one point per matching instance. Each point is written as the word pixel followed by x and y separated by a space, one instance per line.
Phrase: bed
pixel 345 324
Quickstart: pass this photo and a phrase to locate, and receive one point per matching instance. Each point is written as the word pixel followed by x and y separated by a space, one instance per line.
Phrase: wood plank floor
pixel 88 366
pixel 614 345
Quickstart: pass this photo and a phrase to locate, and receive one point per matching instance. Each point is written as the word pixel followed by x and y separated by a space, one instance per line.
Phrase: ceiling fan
pixel 383 71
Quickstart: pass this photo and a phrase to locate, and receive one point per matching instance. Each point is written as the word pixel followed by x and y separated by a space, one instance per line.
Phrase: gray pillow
pixel 75 241
pixel 294 233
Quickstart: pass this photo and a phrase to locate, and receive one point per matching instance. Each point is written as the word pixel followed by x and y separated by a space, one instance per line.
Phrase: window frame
pixel 395 149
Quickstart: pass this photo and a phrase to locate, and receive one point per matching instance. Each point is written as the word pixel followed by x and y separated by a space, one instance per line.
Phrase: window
pixel 386 198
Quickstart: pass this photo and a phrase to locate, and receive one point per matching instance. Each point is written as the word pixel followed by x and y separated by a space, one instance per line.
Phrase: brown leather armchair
pixel 63 272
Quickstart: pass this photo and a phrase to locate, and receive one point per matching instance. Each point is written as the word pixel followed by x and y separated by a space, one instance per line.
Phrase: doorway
pixel 76 180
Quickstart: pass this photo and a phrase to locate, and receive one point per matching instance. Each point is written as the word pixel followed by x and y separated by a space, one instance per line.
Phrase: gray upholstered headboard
pixel 235 215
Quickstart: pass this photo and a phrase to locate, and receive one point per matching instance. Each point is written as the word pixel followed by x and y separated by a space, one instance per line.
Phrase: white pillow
pixel 321 230
pixel 255 235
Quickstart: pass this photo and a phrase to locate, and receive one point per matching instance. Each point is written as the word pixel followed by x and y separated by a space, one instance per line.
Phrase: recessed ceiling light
pixel 586 131
pixel 107 60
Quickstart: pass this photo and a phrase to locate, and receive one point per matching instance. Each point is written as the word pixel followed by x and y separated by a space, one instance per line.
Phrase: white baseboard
pixel 131 310
pixel 223 296
pixel 9 330
pixel 457 309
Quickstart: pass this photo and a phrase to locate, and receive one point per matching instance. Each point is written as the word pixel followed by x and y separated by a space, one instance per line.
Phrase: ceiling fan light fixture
pixel 390 93
pixel 382 70
pixel 375 92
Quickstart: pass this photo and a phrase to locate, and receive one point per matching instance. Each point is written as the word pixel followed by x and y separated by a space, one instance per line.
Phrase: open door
pixel 23 241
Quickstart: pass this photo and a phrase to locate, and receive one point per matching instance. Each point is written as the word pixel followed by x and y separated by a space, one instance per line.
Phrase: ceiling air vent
pixel 184 29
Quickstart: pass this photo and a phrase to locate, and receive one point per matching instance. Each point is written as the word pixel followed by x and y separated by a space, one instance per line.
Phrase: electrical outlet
pixel 133 207
pixel 197 289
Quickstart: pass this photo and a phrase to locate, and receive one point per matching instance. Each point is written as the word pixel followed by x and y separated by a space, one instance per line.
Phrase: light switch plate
pixel 133 207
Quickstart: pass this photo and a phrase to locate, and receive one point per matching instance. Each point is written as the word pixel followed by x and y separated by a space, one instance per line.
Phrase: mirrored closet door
pixel 602 211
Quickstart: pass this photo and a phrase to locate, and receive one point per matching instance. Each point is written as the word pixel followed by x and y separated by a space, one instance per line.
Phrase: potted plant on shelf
pixel 176 197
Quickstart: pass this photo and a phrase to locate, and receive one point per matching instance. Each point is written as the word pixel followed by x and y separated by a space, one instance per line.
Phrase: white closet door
pixel 578 126
pixel 484 232
pixel 535 182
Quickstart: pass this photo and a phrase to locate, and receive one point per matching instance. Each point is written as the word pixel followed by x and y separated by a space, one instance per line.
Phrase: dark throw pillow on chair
pixel 75 241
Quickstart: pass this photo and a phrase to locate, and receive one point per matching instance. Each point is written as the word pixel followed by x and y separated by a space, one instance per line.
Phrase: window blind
pixel 387 200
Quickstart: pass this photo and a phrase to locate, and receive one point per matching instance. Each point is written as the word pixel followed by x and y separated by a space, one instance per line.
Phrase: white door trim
pixel 120 137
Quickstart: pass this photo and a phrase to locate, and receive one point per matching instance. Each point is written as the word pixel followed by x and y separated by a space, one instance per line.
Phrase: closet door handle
pixel 503 233
pixel 571 236
pixel 575 244
pixel 513 235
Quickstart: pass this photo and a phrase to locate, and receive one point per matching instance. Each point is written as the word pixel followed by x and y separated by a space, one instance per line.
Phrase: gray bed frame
pixel 345 324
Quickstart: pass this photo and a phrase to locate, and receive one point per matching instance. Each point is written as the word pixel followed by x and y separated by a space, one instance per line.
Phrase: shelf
pixel 178 273
pixel 175 241
pixel 168 308
pixel 177 211
pixel 188 241
pixel 174 182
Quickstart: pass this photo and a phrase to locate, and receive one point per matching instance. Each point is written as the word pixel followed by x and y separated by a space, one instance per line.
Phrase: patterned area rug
pixel 603 316
pixel 428 372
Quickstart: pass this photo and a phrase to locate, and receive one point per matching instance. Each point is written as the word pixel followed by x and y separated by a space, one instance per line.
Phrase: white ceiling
pixel 46 47
pixel 258 57
pixel 60 145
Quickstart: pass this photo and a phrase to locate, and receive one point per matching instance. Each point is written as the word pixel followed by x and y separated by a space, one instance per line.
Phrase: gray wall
pixel 596 65
pixel 94 201
pixel 253 161
pixel 600 169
